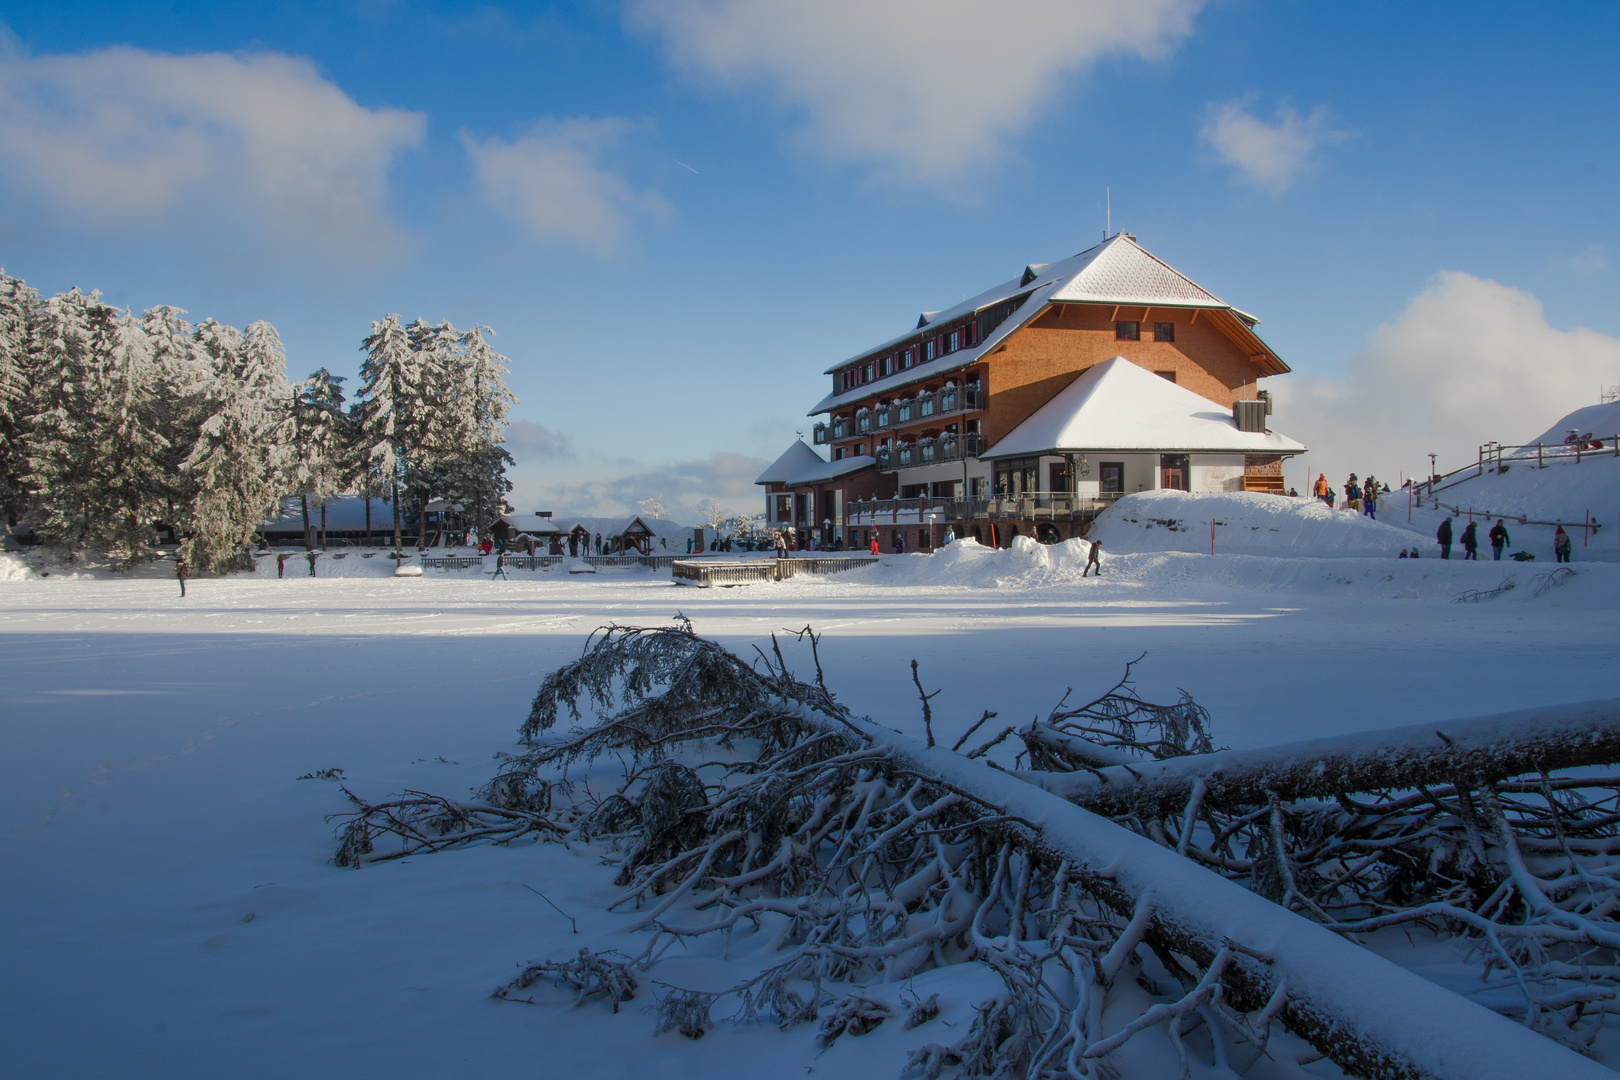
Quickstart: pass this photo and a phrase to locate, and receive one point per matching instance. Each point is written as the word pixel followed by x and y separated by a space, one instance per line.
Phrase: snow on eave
pixel 1117 405
pixel 801 465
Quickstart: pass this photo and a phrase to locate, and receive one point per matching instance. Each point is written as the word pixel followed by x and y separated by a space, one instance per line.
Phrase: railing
pixel 887 415
pixel 1033 506
pixel 532 562
pixel 928 452
pixel 1491 456
pixel 451 562
pixel 707 574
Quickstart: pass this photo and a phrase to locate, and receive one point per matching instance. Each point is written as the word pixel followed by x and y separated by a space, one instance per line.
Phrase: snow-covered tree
pixel 323 460
pixel 18 305
pixel 392 395
pixel 97 457
pixel 714 516
pixel 653 507
pixel 237 463
pixel 482 403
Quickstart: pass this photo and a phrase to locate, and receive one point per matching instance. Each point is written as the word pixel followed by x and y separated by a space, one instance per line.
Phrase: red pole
pixel 1212 536
pixel 1409 502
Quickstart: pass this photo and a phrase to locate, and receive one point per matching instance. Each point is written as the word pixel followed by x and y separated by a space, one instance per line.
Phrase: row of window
pixel 960 337
pixel 1132 331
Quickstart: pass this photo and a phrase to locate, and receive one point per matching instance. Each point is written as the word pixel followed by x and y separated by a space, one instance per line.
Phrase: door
pixel 1174 473
pixel 1112 475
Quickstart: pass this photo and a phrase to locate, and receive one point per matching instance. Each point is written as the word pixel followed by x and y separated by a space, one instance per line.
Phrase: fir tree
pixel 324 459
pixel 18 306
pixel 392 401
pixel 238 461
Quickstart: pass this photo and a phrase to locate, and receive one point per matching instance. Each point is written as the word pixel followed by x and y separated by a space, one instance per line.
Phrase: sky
pixel 677 215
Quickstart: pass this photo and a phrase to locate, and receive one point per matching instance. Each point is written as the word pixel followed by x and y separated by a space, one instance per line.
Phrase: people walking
pixel 182 570
pixel 1499 539
pixel 281 566
pixel 875 543
pixel 1470 541
pixel 1443 535
pixel 1093 558
pixel 1561 545
pixel 500 567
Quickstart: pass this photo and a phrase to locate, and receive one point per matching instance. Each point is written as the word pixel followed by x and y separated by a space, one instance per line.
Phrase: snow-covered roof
pixel 345 513
pixel 533 524
pixel 1116 271
pixel 1116 405
pixel 801 465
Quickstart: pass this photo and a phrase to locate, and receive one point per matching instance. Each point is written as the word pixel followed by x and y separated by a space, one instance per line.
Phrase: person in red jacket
pixel 874 542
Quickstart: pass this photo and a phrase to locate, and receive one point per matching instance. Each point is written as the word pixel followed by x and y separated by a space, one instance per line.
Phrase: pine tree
pixel 391 397
pixel 60 445
pixel 324 460
pixel 482 404
pixel 18 306
pixel 238 461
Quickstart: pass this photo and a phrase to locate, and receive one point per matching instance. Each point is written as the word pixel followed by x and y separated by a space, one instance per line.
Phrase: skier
pixel 182 570
pixel 1470 541
pixel 1561 545
pixel 1093 558
pixel 1443 535
pixel 1499 539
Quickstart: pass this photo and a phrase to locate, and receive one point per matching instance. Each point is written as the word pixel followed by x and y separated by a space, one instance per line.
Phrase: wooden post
pixel 1539 465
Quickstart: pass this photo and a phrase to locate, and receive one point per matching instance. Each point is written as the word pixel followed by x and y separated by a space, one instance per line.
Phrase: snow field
pixel 151 744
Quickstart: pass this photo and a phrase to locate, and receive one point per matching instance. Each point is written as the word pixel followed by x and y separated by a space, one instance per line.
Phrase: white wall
pixel 1217 472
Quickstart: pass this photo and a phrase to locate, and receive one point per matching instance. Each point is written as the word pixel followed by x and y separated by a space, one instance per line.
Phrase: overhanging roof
pixel 801 465
pixel 1117 271
pixel 1116 405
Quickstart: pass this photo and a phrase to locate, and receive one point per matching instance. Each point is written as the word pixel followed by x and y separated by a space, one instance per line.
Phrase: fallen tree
pixel 868 854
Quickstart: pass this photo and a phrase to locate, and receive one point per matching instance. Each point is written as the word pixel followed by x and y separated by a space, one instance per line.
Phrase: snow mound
pixel 1246 523
pixel 14 568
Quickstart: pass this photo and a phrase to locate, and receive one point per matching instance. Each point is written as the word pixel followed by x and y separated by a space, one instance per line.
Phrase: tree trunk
pixel 309 544
pixel 323 522
pixel 421 521
pixel 368 520
pixel 1370 1016
pixel 394 482
pixel 1482 748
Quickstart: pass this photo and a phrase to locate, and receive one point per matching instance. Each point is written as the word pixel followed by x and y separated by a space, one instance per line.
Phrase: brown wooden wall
pixel 1066 340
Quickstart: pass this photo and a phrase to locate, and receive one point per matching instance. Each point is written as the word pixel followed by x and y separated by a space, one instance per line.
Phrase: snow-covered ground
pixel 169 909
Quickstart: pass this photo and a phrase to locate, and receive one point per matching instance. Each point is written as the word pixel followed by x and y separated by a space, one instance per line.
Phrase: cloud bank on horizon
pixel 1469 360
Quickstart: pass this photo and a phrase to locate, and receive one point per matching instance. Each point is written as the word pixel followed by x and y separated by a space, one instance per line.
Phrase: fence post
pixel 1212 536
pixel 1539 465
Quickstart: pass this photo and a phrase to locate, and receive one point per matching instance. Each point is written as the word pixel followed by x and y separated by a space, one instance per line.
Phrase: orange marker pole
pixel 1212 536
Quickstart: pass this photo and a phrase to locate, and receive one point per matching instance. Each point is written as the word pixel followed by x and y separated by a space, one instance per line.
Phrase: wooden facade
pixel 930 408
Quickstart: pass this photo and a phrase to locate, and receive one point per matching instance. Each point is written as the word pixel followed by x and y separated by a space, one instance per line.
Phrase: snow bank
pixel 1246 523
pixel 14 568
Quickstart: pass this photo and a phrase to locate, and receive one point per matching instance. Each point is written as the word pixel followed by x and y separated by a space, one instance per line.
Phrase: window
pixel 784 507
pixel 1113 477
pixel 838 453
pixel 1164 331
pixel 905 359
pixel 866 373
pixel 951 340
pixel 1168 375
pixel 1127 331
pixel 886 367
pixel 928 348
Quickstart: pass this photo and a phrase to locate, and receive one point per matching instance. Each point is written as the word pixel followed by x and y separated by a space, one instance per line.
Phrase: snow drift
pixel 1246 523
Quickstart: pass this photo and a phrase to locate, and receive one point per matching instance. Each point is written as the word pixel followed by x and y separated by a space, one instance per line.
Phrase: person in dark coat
pixel 1094 558
pixel 182 570
pixel 1470 541
pixel 1499 539
pixel 1443 535
pixel 1562 545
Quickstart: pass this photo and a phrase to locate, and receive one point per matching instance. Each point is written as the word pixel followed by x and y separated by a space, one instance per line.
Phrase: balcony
pixel 954 399
pixel 928 452
pixel 1031 506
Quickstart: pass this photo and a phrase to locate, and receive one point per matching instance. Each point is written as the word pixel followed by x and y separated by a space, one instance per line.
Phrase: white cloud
pixel 726 477
pixel 1271 155
pixel 1469 361
pixel 129 137
pixel 552 182
pixel 924 89
pixel 528 441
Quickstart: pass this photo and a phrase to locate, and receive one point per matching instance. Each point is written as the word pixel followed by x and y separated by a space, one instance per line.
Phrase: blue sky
pixel 676 215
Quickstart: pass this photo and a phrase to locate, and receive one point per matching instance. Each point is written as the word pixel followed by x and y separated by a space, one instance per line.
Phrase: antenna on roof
pixel 1108 222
